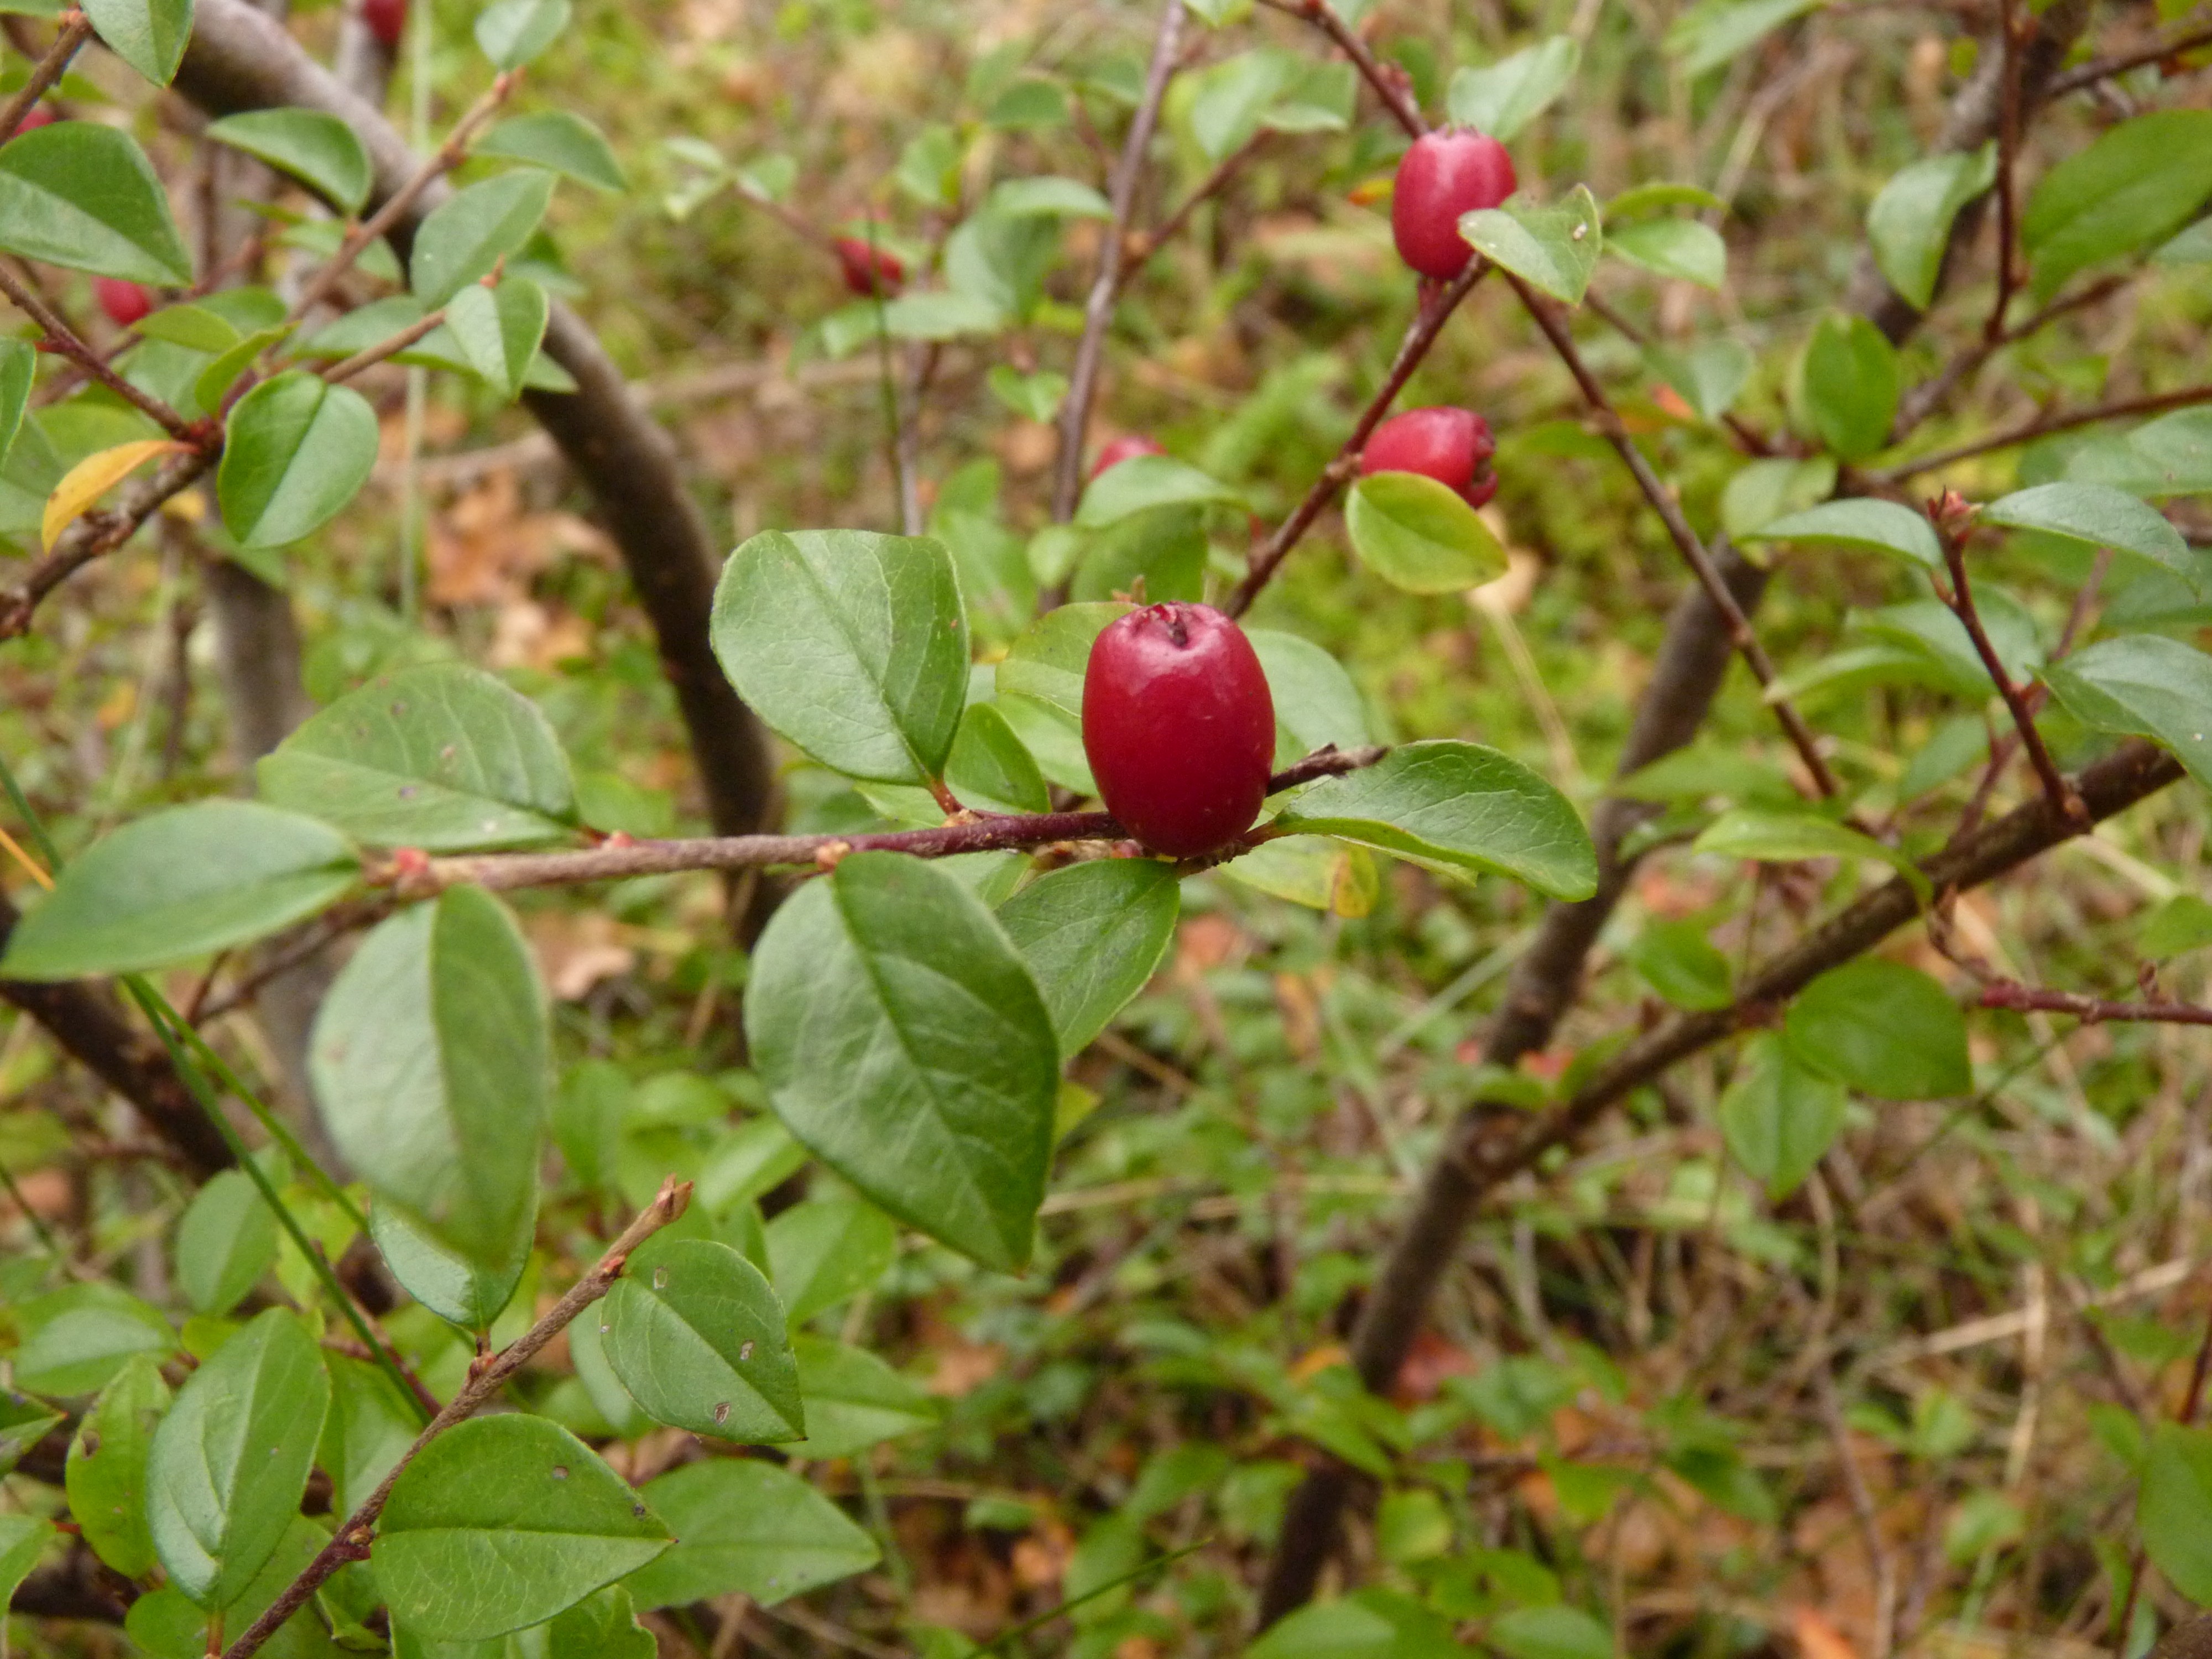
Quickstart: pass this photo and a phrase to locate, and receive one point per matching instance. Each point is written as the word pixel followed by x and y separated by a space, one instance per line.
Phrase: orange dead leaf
pixel 1817 1639
pixel 1319 1360
pixel 93 478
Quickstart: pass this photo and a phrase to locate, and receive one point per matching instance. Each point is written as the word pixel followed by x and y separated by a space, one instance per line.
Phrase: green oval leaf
pixel 2173 1510
pixel 230 1459
pixel 746 1527
pixel 18 367
pixel 498 330
pixel 23 1423
pixel 1039 686
pixel 501 1522
pixel 74 1339
pixel 1909 226
pixel 179 884
pixel 1316 704
pixel 1047 197
pixel 2146 685
pixel 1710 375
pixel 2134 186
pixel 1779 1116
pixel 2100 516
pixel 560 142
pixel 852 645
pixel 1883 1028
pixel 853 1399
pixel 513 32
pixel 106 1476
pixel 429 1057
pixel 1850 382
pixel 902 1040
pixel 295 452
pixel 150 35
pixel 1420 535
pixel 826 1251
pixel 1686 248
pixel 1861 523
pixel 82 195
pixel 469 1293
pixel 1458 806
pixel 1788 837
pixel 1552 248
pixel 1144 482
pixel 1502 97
pixel 319 149
pixel 1093 935
pixel 698 1337
pixel 442 756
pixel 473 229
pixel 23 1540
pixel 226 1241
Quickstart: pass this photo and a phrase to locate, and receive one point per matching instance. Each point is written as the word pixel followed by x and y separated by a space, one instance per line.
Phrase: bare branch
pixel 2043 425
pixel 77 29
pixel 1393 92
pixel 66 340
pixel 2103 68
pixel 2091 1011
pixel 368 356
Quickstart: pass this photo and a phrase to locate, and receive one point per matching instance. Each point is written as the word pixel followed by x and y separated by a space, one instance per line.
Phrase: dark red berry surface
pixel 1127 447
pixel 1452 446
pixel 1442 176
pixel 124 302
pixel 386 19
pixel 857 259
pixel 1179 726
pixel 38 115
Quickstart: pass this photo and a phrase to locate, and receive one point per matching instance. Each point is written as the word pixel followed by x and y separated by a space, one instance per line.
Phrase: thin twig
pixel 77 29
pixel 1421 334
pixel 1098 309
pixel 1328 763
pixel 2043 425
pixel 66 340
pixel 1918 405
pixel 1395 96
pixel 2103 68
pixel 1869 1518
pixel 368 356
pixel 2090 1011
pixel 1141 246
pixel 351 1543
pixel 2008 171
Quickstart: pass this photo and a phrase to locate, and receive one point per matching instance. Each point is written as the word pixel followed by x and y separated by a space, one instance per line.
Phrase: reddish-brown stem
pixel 1395 96
pixel 2104 68
pixel 1098 308
pixel 351 1543
pixel 2091 1011
pixel 1142 246
pixel 2043 425
pixel 369 357
pixel 1921 402
pixel 1420 335
pixel 66 340
pixel 2007 158
pixel 77 29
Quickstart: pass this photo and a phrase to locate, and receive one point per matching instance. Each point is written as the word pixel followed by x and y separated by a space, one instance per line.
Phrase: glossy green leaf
pixel 442 756
pixel 368 1429
pixel 196 327
pixel 903 1041
pixel 502 1522
pixel 1048 196
pixel 1160 552
pixel 746 1527
pixel 513 32
pixel 1909 226
pixel 2147 685
pixel 473 229
pixel 1687 248
pixel 429 1057
pixel 106 1474
pixel 1762 491
pixel 827 1251
pixel 150 35
pixel 698 1337
pixel 2101 516
pixel 2134 186
pixel 2183 923
pixel 2174 453
pixel 80 194
pixel 602 1626
pixel 1316 704
pixel 852 645
pixel 24 1420
pixel 1420 535
pixel 1093 934
pixel 165 1624
pixel 1144 482
pixel 18 367
pixel 1316 871
pixel 1372 1624
pixel 212 386
pixel 461 1290
pixel 1502 97
pixel 2174 1508
pixel 1039 687
pixel 1882 1028
pixel 1710 375
pixel 1552 249
pixel 1770 836
pixel 226 1241
pixel 231 1459
pixel 1657 196
pixel 179 884
pixel 1457 806
pixel 1864 524
pixel 1851 384
pixel 23 1540
pixel 318 148
pixel 499 330
pixel 1779 1115
pixel 1683 965
pixel 988 770
pixel 296 451
pixel 1556 1631
pixel 74 1339
pixel 853 1399
pixel 559 141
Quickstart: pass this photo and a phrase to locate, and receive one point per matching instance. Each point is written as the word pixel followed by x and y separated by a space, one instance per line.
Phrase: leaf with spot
pixel 746 1527
pixel 698 1337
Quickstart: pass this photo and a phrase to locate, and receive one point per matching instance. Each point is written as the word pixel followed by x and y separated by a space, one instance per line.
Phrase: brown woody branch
pixel 351 1543
pixel 77 29
pixel 2093 1010
pixel 1918 405
pixel 1389 87
pixel 2103 68
pixel 2044 426
pixel 369 357
pixel 66 341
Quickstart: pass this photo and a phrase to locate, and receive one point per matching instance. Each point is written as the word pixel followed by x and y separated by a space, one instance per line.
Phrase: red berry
pixel 1444 174
pixel 38 115
pixel 1452 446
pixel 124 302
pixel 386 19
pixel 869 270
pixel 1179 726
pixel 1126 447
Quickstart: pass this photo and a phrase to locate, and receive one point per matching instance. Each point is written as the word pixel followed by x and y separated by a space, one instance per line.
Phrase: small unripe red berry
pixel 386 19
pixel 1179 726
pixel 1443 175
pixel 125 302
pixel 868 268
pixel 1452 446
pixel 38 115
pixel 1127 447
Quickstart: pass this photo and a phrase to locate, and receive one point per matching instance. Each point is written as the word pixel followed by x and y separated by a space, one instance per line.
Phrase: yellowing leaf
pixel 93 478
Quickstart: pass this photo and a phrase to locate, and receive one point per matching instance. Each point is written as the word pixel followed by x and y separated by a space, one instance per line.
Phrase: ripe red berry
pixel 1452 446
pixel 1444 174
pixel 1179 726
pixel 38 115
pixel 386 19
pixel 1127 447
pixel 869 269
pixel 125 302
